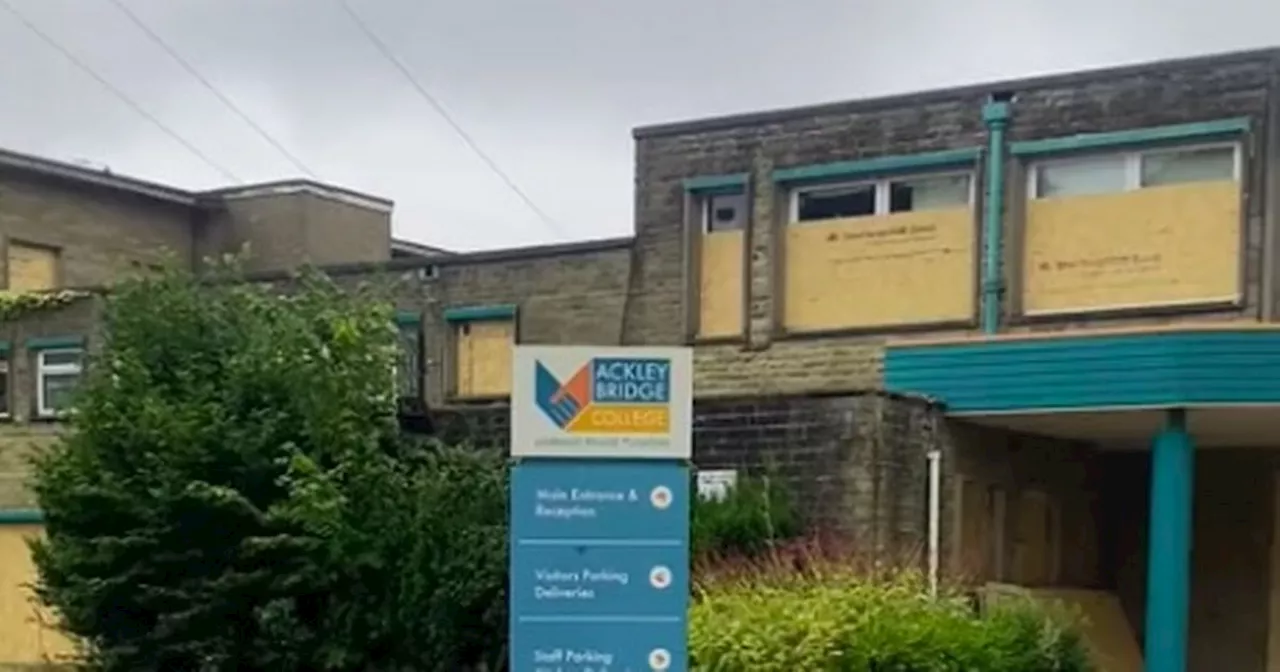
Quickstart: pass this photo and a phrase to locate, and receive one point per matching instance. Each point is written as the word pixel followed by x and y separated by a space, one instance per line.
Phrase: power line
pixel 399 65
pixel 84 67
pixel 191 70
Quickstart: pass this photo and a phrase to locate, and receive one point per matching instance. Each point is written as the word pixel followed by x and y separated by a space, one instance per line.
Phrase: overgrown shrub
pixel 232 494
pixel 800 610
pixel 754 514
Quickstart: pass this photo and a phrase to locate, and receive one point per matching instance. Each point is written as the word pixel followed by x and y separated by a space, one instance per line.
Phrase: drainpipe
pixel 995 115
pixel 935 518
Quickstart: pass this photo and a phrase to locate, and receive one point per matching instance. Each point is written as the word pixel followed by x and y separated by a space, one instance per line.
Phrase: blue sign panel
pixel 599 566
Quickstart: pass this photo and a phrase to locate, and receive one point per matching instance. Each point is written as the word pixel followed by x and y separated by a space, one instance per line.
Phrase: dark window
pixel 832 203
pixel 409 367
pixel 4 385
pixel 725 212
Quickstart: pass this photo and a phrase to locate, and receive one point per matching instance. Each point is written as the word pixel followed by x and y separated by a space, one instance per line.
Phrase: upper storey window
pixel 881 197
pixel 1111 173
pixel 30 268
pixel 724 212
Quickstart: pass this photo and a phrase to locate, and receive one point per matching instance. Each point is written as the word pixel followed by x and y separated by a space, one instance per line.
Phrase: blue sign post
pixel 599 566
pixel 599 574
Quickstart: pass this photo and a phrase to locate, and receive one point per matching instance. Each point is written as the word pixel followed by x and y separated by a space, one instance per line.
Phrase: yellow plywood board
pixel 484 358
pixel 720 293
pixel 1151 247
pixel 31 268
pixel 26 632
pixel 900 269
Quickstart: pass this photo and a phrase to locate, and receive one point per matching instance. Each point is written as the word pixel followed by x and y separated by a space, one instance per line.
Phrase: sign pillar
pixel 600 496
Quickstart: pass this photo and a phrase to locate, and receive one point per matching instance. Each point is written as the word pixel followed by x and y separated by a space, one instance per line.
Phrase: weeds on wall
pixel 15 305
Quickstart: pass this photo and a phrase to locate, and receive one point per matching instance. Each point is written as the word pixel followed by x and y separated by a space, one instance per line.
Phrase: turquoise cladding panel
pixel 1164 369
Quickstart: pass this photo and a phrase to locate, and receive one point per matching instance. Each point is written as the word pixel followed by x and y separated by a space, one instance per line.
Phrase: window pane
pixel 408 368
pixel 853 201
pixel 1190 165
pixel 58 389
pixel 1080 177
pixel 726 212
pixel 61 358
pixel 929 193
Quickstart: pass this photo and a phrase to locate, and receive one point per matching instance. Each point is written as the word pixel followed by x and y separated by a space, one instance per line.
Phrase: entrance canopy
pixel 1109 387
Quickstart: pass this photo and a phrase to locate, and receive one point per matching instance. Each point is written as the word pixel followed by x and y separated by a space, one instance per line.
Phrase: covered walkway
pixel 1167 394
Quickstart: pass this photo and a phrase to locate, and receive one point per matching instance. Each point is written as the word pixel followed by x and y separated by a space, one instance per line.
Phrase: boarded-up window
pixel 484 357
pixel 31 267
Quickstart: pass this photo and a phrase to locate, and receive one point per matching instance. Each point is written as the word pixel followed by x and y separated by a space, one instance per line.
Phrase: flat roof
pixel 950 93
pixel 109 179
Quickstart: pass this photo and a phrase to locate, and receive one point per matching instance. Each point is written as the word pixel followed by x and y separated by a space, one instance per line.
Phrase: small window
pixel 4 385
pixel 929 193
pixel 58 374
pixel 409 364
pixel 1082 176
pixel 724 212
pixel 1203 164
pixel 858 200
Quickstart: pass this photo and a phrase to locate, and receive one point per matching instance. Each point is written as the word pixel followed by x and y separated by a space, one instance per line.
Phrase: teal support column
pixel 1169 547
pixel 995 114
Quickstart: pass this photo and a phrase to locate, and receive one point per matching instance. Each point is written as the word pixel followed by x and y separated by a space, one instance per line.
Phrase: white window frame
pixel 704 207
pixel 882 190
pixel 1133 164
pixel 44 369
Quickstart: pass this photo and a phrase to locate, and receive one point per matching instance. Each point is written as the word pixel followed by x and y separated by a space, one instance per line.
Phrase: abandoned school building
pixel 1067 285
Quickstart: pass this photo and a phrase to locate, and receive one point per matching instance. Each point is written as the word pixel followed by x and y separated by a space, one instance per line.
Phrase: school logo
pixel 607 395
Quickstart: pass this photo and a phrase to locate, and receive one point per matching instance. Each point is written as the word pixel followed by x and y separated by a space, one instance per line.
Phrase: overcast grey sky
pixel 548 88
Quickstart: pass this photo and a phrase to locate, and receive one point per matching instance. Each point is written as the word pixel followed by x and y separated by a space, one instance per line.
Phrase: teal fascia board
pixel 4 347
pixel 478 313
pixel 55 342
pixel 406 318
pixel 1138 136
pixel 844 170
pixel 1162 370
pixel 21 516
pixel 705 184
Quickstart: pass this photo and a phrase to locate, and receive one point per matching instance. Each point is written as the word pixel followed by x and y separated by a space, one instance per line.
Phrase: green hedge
pixel 752 517
pixel 795 613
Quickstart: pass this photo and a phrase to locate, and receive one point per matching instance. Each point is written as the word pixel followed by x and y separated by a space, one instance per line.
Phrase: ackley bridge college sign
pixel 601 439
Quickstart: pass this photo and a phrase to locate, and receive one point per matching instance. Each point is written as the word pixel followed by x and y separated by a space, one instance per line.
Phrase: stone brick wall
pixel 1236 85
pixel 284 228
pixel 80 318
pixel 20 436
pixel 99 231
pixel 855 464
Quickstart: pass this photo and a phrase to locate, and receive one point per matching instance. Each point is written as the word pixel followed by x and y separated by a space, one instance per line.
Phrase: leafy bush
pixel 233 495
pixel 818 613
pixel 753 515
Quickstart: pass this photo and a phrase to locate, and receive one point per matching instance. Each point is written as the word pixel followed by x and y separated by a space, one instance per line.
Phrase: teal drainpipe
pixel 995 114
pixel 1169 546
